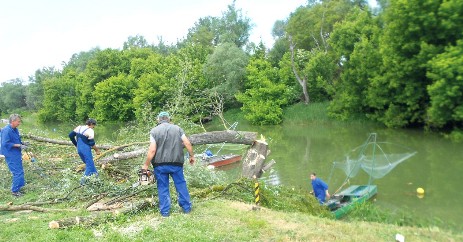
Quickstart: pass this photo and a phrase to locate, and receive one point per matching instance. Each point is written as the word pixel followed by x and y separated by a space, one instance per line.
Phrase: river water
pixel 302 147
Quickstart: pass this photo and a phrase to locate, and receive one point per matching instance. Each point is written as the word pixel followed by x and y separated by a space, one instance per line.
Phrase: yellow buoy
pixel 420 190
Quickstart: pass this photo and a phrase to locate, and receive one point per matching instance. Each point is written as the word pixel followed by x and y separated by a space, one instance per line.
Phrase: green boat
pixel 340 204
pixel 376 159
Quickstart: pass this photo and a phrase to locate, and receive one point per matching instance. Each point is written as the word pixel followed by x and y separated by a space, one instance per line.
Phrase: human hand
pixel 23 147
pixel 192 160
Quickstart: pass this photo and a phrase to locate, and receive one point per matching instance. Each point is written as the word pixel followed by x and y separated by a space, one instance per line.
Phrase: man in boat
pixel 320 188
pixel 165 153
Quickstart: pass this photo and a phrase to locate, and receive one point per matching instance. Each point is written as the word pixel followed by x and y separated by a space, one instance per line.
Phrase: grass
pixel 212 220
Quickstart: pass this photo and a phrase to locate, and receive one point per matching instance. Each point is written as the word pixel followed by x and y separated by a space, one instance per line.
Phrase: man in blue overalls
pixel 11 148
pixel 320 188
pixel 85 142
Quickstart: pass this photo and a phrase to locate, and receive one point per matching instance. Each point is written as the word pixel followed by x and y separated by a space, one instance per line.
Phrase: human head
pixel 313 176
pixel 163 116
pixel 90 122
pixel 15 120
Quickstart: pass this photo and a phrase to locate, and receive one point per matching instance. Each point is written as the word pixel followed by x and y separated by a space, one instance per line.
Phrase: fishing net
pixel 377 159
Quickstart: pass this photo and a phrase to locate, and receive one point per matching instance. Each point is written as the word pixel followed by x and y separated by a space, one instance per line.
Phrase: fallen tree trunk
pixel 215 137
pixel 30 207
pixel 227 136
pixel 95 218
pixel 59 142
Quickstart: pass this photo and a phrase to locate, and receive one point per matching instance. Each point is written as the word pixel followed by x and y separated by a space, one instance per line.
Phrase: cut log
pixel 254 160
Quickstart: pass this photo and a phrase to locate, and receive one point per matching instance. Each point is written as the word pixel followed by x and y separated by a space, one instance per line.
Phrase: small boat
pixel 221 160
pixel 341 203
pixel 377 159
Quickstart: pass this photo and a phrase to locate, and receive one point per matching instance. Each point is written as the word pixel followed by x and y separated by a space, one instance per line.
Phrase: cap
pixel 90 121
pixel 163 114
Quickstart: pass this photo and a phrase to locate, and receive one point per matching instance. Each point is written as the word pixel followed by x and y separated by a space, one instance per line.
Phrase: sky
pixel 43 33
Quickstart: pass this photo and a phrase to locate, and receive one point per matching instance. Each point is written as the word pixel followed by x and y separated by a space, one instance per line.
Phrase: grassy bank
pixel 212 220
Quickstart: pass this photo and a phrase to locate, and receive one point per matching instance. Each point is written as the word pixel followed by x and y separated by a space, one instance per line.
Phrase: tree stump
pixel 253 163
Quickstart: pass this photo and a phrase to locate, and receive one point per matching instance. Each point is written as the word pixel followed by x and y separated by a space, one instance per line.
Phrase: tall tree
pixel 225 70
pixel 234 26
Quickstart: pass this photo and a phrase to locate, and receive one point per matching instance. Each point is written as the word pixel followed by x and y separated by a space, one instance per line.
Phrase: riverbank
pixel 214 220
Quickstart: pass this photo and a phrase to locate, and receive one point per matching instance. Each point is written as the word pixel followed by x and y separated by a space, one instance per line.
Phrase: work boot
pixel 17 194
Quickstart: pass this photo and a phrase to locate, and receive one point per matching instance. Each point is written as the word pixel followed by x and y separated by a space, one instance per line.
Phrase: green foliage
pixel 12 96
pixel 103 65
pixel 199 176
pixel 234 27
pixel 446 91
pixel 113 99
pixel 60 97
pixel 264 96
pixel 135 42
pixel 310 26
pixel 355 42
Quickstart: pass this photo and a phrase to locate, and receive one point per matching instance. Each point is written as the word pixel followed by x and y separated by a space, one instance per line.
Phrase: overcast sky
pixel 41 33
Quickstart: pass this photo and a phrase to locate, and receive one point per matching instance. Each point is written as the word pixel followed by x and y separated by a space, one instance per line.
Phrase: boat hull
pixel 345 201
pixel 223 160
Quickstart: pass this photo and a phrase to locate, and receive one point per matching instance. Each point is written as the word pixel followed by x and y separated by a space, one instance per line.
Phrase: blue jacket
pixel 9 138
pixel 319 189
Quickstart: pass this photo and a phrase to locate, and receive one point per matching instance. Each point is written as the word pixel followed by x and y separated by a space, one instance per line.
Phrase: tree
pixel 113 98
pixel 225 70
pixel 103 65
pixel 135 42
pixel 234 27
pixel 231 27
pixel 264 96
pixel 311 26
pixel 356 47
pixel 13 95
pixel 446 91
pixel 415 32
pixel 205 32
pixel 60 97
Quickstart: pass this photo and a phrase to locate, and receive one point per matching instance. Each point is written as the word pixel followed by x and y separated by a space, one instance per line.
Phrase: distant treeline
pixel 400 64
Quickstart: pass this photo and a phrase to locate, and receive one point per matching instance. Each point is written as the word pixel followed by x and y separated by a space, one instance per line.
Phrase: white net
pixel 375 158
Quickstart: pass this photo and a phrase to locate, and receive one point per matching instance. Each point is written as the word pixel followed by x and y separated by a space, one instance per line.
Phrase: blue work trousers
pixel 162 174
pixel 85 153
pixel 16 168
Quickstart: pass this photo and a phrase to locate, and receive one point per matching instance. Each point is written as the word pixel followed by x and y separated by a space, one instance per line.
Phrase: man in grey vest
pixel 165 153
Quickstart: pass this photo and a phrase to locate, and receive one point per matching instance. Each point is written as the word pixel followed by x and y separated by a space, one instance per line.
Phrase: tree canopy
pixel 399 65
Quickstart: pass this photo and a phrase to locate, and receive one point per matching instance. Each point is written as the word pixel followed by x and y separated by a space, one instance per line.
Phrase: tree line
pixel 399 64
